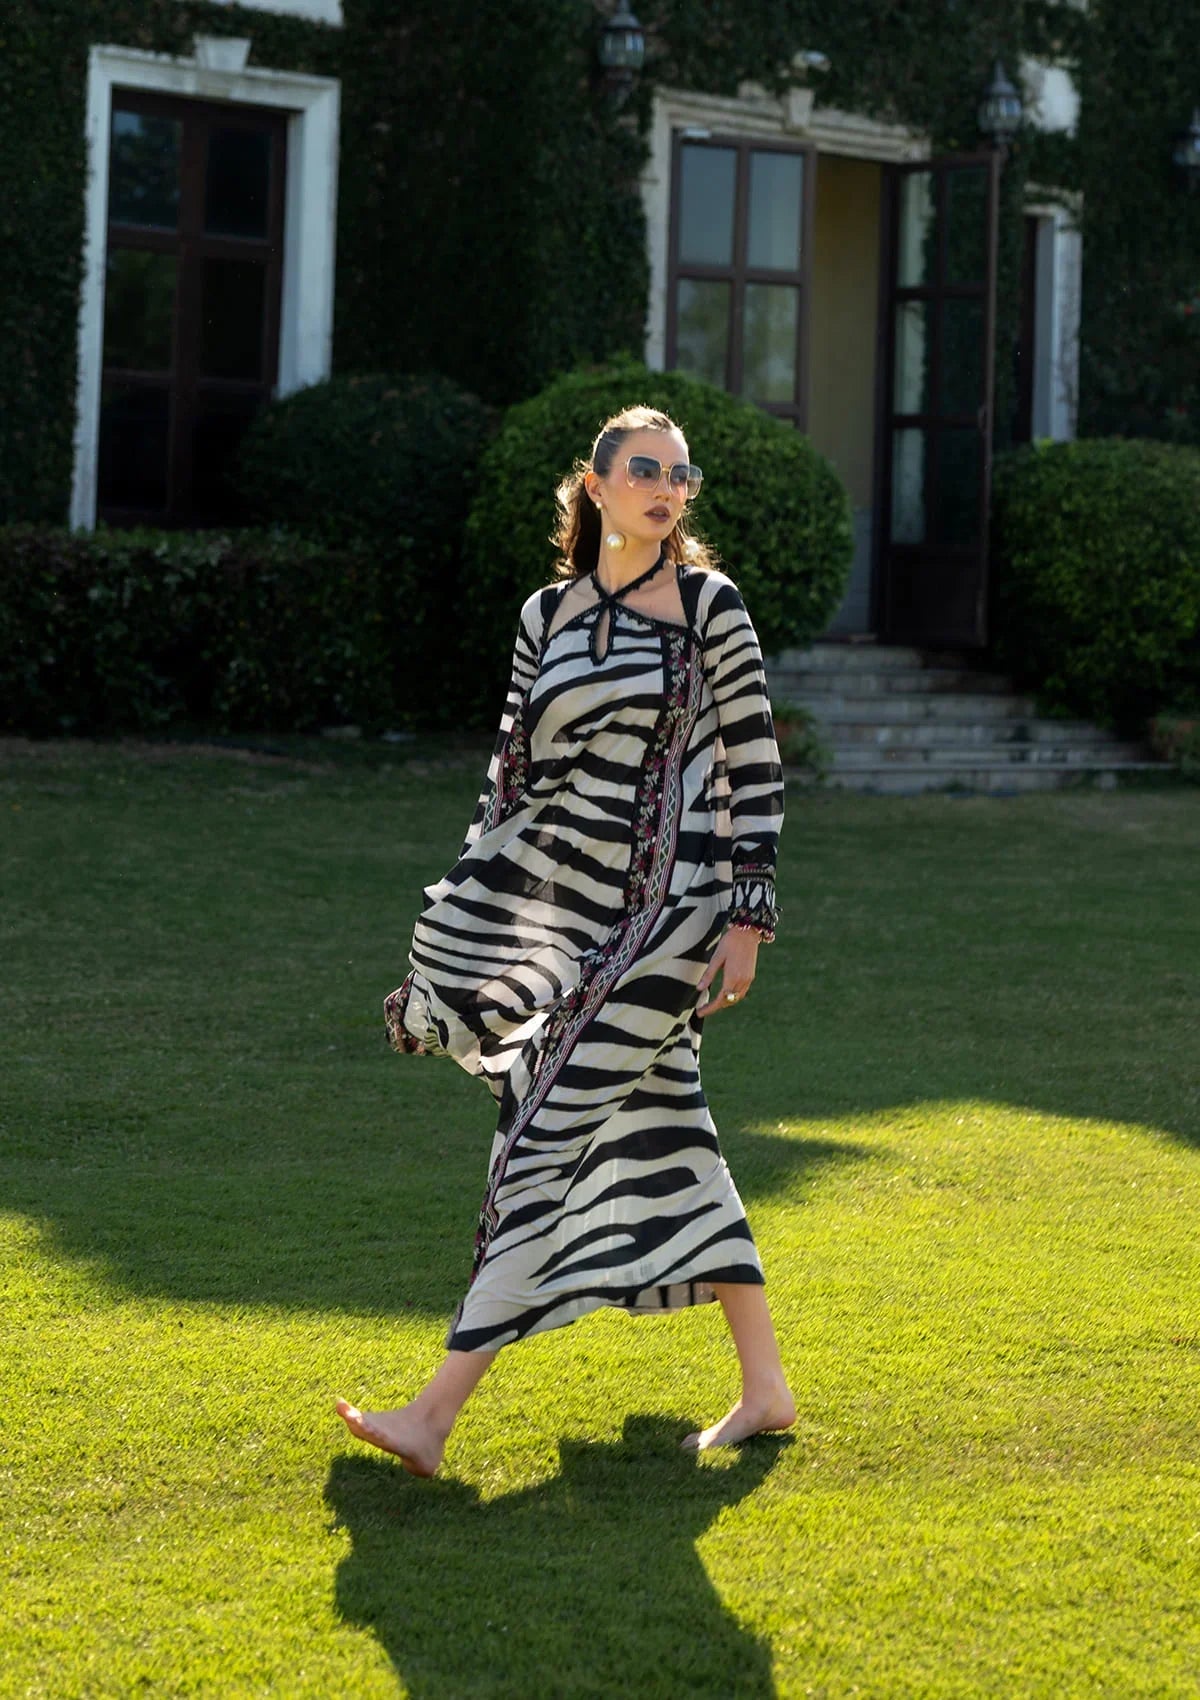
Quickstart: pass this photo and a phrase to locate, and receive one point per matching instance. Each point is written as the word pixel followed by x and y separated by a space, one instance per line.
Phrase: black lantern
pixel 1186 153
pixel 621 52
pixel 1000 109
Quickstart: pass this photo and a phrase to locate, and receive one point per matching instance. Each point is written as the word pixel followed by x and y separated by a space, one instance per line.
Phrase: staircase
pixel 904 720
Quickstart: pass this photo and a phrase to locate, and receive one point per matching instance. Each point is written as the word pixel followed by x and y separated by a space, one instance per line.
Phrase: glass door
pixel 940 223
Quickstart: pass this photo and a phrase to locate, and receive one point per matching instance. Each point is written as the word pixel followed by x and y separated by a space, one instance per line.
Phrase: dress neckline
pixel 609 602
pixel 611 596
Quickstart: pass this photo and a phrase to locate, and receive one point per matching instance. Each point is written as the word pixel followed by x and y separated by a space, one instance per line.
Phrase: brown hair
pixel 578 534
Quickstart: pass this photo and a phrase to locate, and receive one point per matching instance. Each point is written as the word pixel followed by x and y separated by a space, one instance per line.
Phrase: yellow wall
pixel 845 284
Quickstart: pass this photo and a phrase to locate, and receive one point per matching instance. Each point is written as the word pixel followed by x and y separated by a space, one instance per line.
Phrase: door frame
pixel 888 627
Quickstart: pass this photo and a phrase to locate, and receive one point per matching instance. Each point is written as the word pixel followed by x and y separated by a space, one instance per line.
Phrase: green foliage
pixel 502 241
pixel 387 462
pixel 1176 737
pixel 385 459
pixel 801 744
pixel 771 506
pixel 1098 561
pixel 117 631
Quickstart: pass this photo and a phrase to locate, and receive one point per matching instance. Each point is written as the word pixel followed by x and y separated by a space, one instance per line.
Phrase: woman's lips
pixel 657 513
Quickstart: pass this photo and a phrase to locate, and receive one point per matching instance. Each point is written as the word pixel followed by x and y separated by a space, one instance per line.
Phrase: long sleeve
pixel 734 668
pixel 508 768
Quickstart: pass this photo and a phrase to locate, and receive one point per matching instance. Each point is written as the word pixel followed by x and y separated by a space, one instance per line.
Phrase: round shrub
pixel 385 461
pixel 771 507
pixel 382 457
pixel 1097 562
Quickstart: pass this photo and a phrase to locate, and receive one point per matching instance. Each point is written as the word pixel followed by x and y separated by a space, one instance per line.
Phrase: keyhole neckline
pixel 608 597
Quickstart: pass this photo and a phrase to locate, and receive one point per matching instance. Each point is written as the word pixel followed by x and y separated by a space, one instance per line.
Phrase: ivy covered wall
pixel 489 221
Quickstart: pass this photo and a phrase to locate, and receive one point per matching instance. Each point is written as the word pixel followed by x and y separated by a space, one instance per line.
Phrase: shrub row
pixel 136 631
pixel 1096 559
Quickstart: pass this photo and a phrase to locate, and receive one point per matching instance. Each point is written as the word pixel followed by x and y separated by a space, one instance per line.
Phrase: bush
pixel 1176 738
pixel 771 506
pixel 386 461
pixel 135 631
pixel 1097 562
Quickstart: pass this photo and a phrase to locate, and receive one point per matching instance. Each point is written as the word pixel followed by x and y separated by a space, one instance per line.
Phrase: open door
pixel 938 300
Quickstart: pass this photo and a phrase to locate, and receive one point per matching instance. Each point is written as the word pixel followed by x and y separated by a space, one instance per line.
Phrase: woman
pixel 619 869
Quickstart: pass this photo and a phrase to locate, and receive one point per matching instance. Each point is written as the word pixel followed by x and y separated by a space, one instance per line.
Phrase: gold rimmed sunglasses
pixel 643 472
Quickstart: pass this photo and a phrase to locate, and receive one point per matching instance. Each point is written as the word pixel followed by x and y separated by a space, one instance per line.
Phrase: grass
pixel 963 1106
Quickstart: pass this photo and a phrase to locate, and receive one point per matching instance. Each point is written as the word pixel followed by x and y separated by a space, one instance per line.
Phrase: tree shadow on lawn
pixel 364 1233
pixel 586 1584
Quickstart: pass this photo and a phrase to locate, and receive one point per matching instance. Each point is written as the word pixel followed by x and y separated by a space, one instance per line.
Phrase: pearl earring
pixel 615 540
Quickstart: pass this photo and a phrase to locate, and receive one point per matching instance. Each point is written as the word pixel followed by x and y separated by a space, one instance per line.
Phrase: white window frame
pixel 309 222
pixel 1058 271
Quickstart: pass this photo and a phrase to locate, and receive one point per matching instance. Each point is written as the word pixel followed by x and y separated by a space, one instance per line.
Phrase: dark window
pixel 741 241
pixel 191 308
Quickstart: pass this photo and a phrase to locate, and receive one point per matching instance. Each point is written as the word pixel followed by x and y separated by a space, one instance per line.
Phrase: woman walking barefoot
pixel 617 879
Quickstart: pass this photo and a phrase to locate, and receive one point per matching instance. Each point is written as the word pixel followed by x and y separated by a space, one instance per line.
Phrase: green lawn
pixel 963 1106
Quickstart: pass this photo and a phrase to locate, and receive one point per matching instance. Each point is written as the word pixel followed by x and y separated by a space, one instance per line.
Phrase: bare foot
pixel 746 1419
pixel 400 1432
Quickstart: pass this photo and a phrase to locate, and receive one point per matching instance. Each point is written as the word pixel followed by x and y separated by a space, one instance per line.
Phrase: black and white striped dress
pixel 631 810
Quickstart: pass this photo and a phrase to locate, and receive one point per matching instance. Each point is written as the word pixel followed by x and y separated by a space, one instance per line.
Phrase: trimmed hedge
pixel 1097 547
pixel 771 506
pixel 136 631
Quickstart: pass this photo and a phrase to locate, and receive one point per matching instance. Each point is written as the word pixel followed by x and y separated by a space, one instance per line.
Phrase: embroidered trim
pixel 754 902
pixel 512 773
pixel 394 1006
pixel 656 816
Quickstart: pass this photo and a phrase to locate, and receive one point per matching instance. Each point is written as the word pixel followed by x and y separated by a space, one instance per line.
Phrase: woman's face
pixel 643 514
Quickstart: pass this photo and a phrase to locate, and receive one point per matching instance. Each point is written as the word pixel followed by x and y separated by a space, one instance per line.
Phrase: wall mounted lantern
pixel 1186 153
pixel 621 52
pixel 1000 109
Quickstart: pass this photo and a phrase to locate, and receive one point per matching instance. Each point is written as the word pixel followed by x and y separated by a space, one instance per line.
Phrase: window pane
pixel 912 357
pixel 776 192
pixel 139 309
pixel 962 354
pixel 143 170
pixel 769 342
pixel 706 181
pixel 231 335
pixel 966 224
pixel 917 235
pixel 958 486
pixel 133 446
pixel 220 422
pixel 703 329
pixel 908 485
pixel 235 192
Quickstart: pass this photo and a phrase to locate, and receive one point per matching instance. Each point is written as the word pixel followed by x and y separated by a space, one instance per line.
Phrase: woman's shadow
pixel 588 1584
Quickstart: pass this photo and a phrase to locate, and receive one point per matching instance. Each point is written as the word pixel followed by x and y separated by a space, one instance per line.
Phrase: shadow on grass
pixel 588 1584
pixel 320 1233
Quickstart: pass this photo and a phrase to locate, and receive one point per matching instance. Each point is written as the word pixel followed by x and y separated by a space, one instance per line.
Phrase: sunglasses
pixel 643 472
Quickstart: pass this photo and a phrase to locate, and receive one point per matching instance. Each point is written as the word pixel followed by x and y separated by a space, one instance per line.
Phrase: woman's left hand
pixel 735 960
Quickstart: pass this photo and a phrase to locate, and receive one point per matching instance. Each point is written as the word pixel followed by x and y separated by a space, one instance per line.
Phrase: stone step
pixel 960 734
pixel 848 757
pixel 953 708
pixel 788 684
pixel 899 779
pixel 864 657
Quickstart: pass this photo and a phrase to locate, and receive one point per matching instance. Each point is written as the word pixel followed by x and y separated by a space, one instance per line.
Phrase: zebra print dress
pixel 631 811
